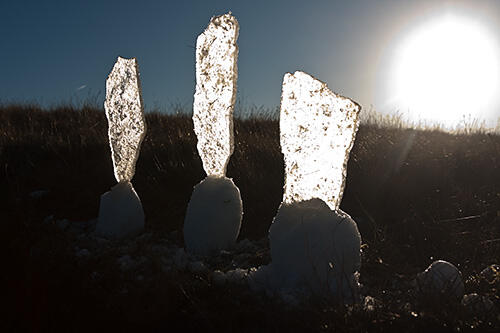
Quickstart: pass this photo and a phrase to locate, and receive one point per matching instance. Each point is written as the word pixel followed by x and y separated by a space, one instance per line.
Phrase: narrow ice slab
pixel 216 74
pixel 124 110
pixel 317 129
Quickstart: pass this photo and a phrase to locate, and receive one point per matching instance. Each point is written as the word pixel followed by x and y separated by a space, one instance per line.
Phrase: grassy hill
pixel 417 196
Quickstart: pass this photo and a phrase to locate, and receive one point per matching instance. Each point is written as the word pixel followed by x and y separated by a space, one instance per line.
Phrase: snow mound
pixel 441 279
pixel 314 250
pixel 213 216
pixel 120 212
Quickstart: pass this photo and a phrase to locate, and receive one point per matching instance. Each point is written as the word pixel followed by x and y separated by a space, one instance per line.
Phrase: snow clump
pixel 314 250
pixel 213 216
pixel 441 279
pixel 120 212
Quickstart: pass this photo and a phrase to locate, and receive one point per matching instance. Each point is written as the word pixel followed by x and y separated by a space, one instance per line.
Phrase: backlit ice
pixel 124 110
pixel 216 74
pixel 315 247
pixel 317 129
pixel 120 210
pixel 214 213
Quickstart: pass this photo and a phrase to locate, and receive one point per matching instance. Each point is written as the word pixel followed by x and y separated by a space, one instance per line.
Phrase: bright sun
pixel 446 70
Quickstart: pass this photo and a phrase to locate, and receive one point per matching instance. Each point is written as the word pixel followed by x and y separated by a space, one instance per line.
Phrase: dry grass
pixel 408 189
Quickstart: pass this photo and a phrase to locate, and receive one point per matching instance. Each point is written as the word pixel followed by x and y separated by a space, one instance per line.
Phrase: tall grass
pixel 407 188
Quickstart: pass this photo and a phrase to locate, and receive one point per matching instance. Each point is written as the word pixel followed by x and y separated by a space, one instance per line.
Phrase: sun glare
pixel 446 70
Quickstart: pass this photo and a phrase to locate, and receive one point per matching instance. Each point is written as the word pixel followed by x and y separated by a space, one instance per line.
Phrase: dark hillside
pixel 417 196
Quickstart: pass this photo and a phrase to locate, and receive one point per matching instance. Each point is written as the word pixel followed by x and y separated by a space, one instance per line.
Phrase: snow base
pixel 120 212
pixel 213 216
pixel 314 251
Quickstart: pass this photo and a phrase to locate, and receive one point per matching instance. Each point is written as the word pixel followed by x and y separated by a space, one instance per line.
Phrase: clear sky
pixel 57 51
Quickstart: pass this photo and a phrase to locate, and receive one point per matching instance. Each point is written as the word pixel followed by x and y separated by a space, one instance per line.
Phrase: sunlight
pixel 446 70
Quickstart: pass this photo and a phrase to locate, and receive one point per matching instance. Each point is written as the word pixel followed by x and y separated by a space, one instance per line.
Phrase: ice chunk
pixel 216 73
pixel 213 216
pixel 120 212
pixel 124 110
pixel 317 129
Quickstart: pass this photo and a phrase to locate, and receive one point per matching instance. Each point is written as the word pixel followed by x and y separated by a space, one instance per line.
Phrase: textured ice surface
pixel 124 110
pixel 317 130
pixel 216 73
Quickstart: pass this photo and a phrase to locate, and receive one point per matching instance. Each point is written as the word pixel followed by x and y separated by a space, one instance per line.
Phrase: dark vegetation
pixel 417 196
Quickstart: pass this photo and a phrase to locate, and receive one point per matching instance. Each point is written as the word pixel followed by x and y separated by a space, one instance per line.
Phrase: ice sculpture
pixel 120 210
pixel 317 130
pixel 125 114
pixel 216 74
pixel 315 247
pixel 213 216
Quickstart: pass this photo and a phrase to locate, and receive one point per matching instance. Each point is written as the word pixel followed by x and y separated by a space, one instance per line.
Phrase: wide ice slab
pixel 317 130
pixel 124 110
pixel 216 74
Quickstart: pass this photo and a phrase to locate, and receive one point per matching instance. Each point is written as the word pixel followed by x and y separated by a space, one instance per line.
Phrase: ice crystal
pixel 317 130
pixel 216 74
pixel 124 110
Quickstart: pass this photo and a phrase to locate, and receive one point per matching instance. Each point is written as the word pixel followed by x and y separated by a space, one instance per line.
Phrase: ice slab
pixel 124 110
pixel 317 129
pixel 216 74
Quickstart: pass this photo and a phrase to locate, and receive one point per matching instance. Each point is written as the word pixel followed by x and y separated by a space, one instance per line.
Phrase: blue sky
pixel 58 51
